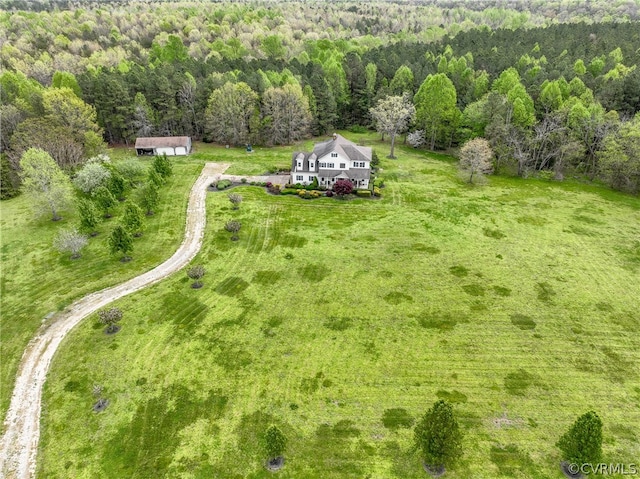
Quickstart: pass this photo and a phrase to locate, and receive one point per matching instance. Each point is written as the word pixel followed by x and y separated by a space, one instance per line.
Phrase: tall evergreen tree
pixel 582 443
pixel 438 436
pixel 121 241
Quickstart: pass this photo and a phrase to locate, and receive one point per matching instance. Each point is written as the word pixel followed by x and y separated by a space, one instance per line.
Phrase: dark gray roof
pixel 354 173
pixel 352 151
pixel 341 144
pixel 355 153
pixel 305 160
pixel 162 142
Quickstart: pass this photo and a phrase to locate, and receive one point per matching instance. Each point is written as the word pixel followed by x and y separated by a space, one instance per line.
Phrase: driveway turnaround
pixel 19 444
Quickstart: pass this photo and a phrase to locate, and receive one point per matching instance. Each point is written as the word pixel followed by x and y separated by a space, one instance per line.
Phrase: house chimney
pixel 335 136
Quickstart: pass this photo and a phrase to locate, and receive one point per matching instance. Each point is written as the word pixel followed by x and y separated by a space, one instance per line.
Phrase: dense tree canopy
pixel 235 73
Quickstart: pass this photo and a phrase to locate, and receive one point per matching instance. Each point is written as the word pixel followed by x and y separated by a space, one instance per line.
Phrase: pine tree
pixel 89 216
pixel 155 177
pixel 275 442
pixel 163 166
pixel 438 436
pixel 121 241
pixel 104 200
pixel 117 185
pixel 8 179
pixel 582 443
pixel 133 219
pixel 149 197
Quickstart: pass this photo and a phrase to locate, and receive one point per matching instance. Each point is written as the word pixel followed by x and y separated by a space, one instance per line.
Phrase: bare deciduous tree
pixel 70 241
pixel 475 157
pixel 392 115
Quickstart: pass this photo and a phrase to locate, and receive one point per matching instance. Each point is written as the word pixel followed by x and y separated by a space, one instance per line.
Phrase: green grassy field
pixel 342 322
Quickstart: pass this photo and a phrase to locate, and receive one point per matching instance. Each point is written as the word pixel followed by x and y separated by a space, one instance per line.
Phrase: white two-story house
pixel 333 160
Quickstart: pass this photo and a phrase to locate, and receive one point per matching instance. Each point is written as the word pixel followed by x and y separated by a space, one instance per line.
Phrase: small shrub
pixel 214 184
pixel 223 184
pixel 363 193
pixel 163 166
pixel 110 317
pixel 243 180
pixel 273 189
pixel 379 182
pixel 288 191
pixel 252 183
pixel 233 226
pixel 196 273
pixel 376 191
pixel 329 193
pixel 269 184
pixel 546 175
pixel 235 200
pixel 343 187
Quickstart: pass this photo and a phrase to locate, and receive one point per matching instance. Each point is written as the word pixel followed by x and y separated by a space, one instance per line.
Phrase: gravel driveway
pixel 19 444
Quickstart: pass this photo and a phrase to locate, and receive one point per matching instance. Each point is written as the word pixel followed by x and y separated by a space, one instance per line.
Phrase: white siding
pixel 181 150
pixel 165 151
pixel 305 177
pixel 336 162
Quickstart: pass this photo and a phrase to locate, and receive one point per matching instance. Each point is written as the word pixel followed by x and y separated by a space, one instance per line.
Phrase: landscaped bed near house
pixel 342 323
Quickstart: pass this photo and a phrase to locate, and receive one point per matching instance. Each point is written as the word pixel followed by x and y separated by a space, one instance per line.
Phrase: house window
pixel 330 165
pixel 299 178
pixel 342 166
pixel 311 166
pixel 334 155
pixel 299 165
pixel 359 164
pixel 311 178
pixel 321 180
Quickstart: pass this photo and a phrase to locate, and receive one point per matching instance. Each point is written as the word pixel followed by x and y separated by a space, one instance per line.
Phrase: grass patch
pixel 397 418
pixel 493 233
pixel 459 271
pixel 454 397
pixel 517 382
pixel 523 321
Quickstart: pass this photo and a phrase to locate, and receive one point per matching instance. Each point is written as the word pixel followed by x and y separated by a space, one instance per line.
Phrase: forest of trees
pixel 554 87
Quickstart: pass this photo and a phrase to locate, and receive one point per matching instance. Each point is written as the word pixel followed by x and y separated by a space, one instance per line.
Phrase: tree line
pixel 560 98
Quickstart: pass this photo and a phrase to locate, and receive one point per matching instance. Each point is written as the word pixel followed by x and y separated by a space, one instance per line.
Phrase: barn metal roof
pixel 162 142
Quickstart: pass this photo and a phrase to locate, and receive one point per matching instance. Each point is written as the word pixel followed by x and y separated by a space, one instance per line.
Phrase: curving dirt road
pixel 19 445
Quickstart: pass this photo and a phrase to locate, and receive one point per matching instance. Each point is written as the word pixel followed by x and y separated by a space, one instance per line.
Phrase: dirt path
pixel 19 444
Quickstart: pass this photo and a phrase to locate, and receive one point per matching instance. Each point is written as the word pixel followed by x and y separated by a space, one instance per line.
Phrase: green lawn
pixel 342 322
pixel 38 281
